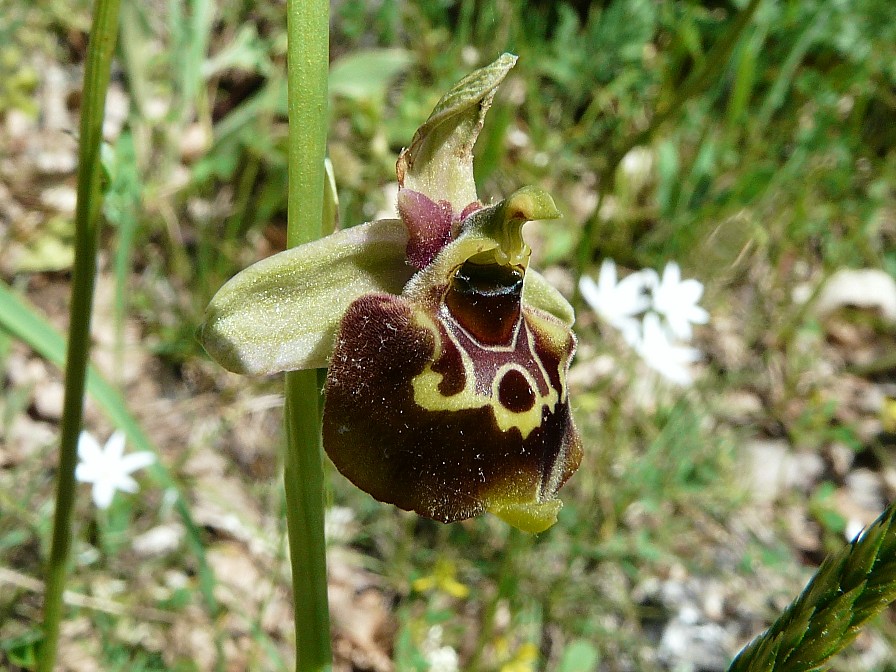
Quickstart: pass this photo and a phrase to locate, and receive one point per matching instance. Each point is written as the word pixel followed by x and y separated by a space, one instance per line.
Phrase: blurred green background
pixel 758 155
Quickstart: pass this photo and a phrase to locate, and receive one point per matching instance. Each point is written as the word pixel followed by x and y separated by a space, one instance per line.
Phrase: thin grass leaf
pixel 24 322
pixel 849 588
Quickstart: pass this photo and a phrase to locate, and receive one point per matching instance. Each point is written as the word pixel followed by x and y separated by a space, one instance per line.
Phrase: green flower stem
pixel 307 64
pixel 96 80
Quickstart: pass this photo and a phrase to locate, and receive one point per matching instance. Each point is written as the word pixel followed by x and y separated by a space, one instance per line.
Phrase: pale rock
pixel 54 111
pixel 158 540
pixel 26 437
pixel 194 142
pixel 155 109
pixel 24 371
pixel 117 107
pixel 61 160
pixel 868 288
pixel 49 396
pixel 19 124
pixel 62 198
pixel 865 489
pixel 842 457
pixel 775 469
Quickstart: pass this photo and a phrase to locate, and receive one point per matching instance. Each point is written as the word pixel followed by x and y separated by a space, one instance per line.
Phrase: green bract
pixel 446 391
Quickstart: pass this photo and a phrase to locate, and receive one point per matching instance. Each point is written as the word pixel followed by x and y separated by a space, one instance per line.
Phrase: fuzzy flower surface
pixel 107 467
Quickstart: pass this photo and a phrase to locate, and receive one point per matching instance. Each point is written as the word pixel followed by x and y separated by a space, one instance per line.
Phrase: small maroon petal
pixel 428 224
pixel 470 209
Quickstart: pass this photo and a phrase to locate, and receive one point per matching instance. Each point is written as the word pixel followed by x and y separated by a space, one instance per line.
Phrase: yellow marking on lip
pixel 428 396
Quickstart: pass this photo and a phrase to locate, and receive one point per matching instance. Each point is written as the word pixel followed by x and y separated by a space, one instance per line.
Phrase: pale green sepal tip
pixel 531 517
pixel 531 203
pixel 282 313
pixel 439 160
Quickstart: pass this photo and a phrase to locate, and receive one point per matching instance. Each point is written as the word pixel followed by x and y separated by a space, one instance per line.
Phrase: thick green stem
pixel 96 81
pixel 307 63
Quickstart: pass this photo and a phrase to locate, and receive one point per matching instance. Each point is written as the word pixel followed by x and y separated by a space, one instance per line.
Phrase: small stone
pixel 19 124
pixel 775 468
pixel 49 396
pixel 159 540
pixel 767 460
pixel 869 288
pixel 56 162
pixel 842 457
pixel 865 489
pixel 54 110
pixel 61 198
pixel 117 106
pixel 194 142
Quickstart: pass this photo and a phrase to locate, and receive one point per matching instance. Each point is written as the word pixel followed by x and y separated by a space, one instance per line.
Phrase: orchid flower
pixel 446 391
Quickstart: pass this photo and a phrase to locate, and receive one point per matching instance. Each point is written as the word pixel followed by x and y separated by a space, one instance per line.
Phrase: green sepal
pixel 539 293
pixel 281 313
pixel 531 517
pixel 439 160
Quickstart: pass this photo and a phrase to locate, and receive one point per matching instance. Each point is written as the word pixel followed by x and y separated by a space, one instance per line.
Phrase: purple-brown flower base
pixel 491 432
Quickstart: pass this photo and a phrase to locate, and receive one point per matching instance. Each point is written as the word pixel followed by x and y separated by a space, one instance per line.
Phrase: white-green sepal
pixel 539 293
pixel 281 313
pixel 439 160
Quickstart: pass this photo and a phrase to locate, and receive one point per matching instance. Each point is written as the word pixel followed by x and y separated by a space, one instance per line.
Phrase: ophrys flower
pixel 446 391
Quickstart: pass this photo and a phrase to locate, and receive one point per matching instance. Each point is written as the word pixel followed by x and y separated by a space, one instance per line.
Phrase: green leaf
pixel 579 656
pixel 850 587
pixel 439 160
pixel 281 313
pixel 365 75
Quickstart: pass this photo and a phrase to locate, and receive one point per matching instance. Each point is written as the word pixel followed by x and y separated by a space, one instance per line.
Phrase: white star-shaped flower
pixel 107 467
pixel 618 303
pixel 671 360
pixel 677 301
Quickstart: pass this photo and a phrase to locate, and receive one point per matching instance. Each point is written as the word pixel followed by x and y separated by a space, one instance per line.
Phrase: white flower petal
pixel 669 359
pixel 134 461
pixel 107 467
pixel 690 290
pixel 630 329
pixel 672 274
pixel 114 447
pixel 590 291
pixel 606 279
pixel 86 472
pixel 88 447
pixel 677 301
pixel 103 492
pixel 126 483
